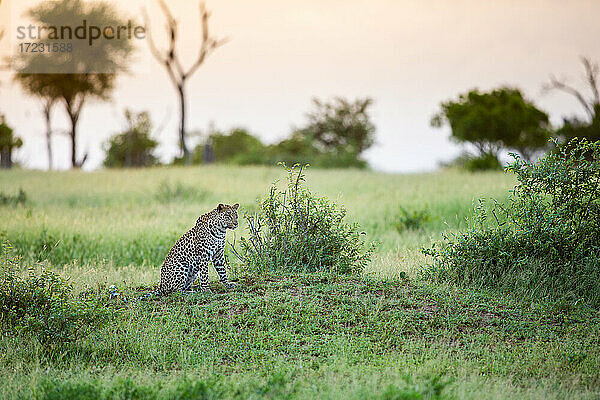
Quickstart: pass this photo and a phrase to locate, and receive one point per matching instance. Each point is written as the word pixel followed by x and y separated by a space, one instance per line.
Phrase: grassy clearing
pixel 378 336
pixel 114 219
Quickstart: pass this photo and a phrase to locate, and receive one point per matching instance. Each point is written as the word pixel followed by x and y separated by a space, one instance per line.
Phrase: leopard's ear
pixel 235 206
pixel 220 207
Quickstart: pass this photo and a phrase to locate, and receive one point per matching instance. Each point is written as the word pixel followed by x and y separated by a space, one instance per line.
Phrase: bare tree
pixel 591 104
pixel 170 59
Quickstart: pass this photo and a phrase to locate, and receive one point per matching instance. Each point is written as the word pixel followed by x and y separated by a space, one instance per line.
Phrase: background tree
pixel 92 70
pixel 575 127
pixel 500 119
pixel 238 146
pixel 336 134
pixel 170 60
pixel 340 126
pixel 8 142
pixel 43 87
pixel 134 147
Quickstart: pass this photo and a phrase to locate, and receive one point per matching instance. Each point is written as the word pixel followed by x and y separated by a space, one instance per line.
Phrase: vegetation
pixel 411 220
pixel 546 238
pixel 13 200
pixel 73 78
pixel 382 334
pixel 41 305
pixel 336 134
pixel 133 147
pixel 8 142
pixel 500 119
pixel 238 146
pixel 575 126
pixel 299 232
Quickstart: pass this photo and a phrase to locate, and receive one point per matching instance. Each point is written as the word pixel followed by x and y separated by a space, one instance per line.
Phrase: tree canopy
pixel 86 72
pixel 340 125
pixel 491 121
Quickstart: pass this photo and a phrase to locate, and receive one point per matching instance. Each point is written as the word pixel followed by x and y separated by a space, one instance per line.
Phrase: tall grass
pixel 382 335
pixel 121 218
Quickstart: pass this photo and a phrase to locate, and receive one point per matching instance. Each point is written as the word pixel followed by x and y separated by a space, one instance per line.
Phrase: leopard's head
pixel 227 215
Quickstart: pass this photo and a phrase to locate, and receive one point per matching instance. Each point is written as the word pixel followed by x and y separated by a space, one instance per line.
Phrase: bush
pixel 134 146
pixel 411 220
pixel 545 241
pixel 13 199
pixel 238 146
pixel 484 162
pixel 294 231
pixel 42 305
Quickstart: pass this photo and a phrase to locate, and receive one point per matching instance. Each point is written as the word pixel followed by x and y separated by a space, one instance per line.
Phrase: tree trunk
pixel 184 150
pixel 73 134
pixel 47 111
pixel 6 157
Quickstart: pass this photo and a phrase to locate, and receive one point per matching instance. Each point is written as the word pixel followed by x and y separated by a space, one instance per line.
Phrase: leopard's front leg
pixel 219 264
pixel 200 266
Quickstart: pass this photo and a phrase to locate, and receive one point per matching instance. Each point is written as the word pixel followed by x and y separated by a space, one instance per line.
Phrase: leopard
pixel 191 254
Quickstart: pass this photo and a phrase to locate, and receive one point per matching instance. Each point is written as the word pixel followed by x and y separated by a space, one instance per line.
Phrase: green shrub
pixel 469 162
pixel 484 162
pixel 167 192
pixel 126 389
pixel 42 304
pixel 545 241
pixel 237 146
pixel 134 147
pixel 411 220
pixel 295 231
pixel 13 199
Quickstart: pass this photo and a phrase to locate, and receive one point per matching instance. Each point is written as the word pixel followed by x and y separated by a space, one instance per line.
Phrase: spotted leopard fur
pixel 192 253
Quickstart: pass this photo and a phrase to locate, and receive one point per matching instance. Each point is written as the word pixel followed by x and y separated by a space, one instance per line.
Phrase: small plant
pixel 167 192
pixel 13 199
pixel 484 162
pixel 475 163
pixel 42 304
pixel 545 242
pixel 295 231
pixel 411 220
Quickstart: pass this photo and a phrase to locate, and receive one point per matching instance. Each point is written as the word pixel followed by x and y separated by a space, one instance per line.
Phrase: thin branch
pixel 209 44
pixel 170 58
pixel 558 84
pixel 163 59
pixel 172 28
pixel 591 72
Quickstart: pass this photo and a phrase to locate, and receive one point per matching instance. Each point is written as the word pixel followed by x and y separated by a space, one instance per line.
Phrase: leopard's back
pixel 178 264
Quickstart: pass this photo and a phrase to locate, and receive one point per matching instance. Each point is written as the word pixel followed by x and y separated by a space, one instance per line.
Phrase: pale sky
pixel 407 55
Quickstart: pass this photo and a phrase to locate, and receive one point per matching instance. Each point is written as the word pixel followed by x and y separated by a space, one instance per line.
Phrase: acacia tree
pixel 492 121
pixel 74 78
pixel 170 60
pixel 341 125
pixel 574 126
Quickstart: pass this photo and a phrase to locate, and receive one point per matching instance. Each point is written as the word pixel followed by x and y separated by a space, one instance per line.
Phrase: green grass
pixel 379 336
